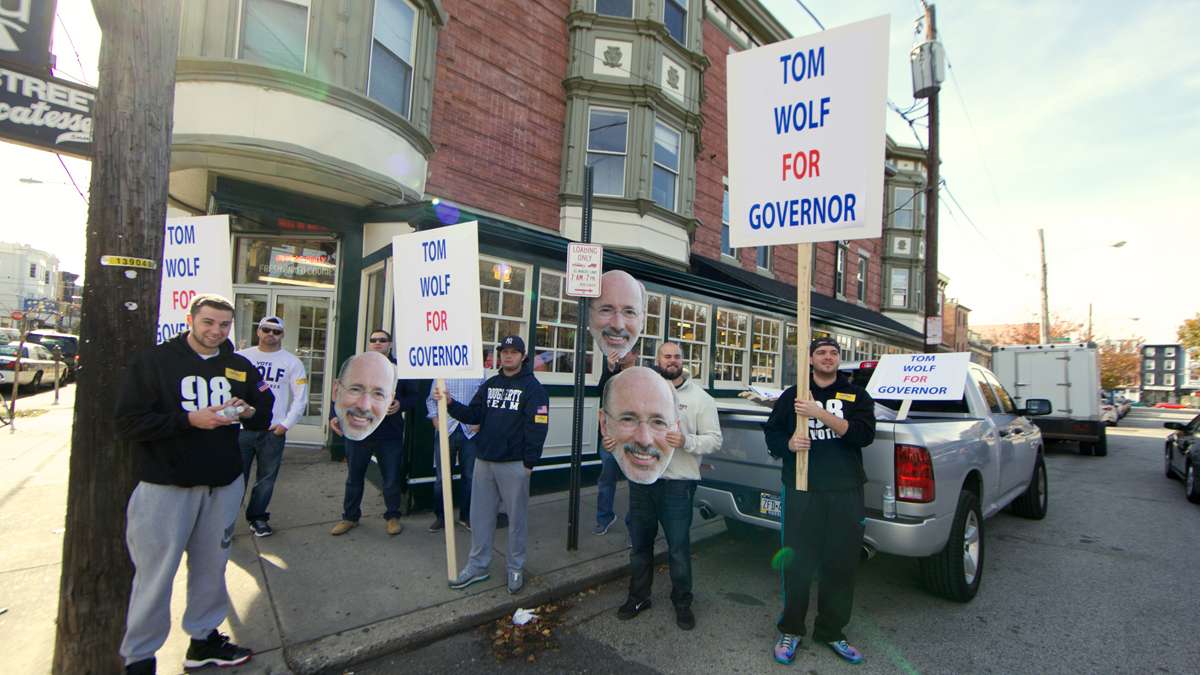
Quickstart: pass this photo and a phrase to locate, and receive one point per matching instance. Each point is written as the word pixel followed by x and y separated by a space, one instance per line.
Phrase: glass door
pixel 308 335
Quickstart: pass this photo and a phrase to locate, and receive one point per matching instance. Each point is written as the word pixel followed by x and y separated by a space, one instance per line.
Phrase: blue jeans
pixel 668 502
pixel 390 456
pixel 462 451
pixel 268 449
pixel 606 489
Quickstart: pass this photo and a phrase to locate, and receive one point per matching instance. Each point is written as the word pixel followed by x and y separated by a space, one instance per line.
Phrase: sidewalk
pixel 305 601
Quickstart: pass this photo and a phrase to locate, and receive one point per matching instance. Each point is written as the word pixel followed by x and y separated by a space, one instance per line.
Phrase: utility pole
pixel 932 310
pixel 1044 332
pixel 126 215
pixel 1089 331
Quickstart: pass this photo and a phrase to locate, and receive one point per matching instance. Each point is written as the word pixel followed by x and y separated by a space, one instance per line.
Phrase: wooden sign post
pixel 444 476
pixel 803 334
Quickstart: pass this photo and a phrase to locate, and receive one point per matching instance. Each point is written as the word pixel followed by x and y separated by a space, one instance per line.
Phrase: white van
pixel 1068 375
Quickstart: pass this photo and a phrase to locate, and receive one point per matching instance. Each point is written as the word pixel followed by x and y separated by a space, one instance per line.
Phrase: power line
pixel 974 136
pixel 810 14
pixel 72 178
pixel 82 70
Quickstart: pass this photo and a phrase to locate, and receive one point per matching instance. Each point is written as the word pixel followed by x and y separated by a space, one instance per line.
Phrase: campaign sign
pixel 438 332
pixel 195 262
pixel 921 377
pixel 806 137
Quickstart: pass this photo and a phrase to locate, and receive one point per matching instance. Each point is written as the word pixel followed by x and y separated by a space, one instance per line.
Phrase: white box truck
pixel 1068 375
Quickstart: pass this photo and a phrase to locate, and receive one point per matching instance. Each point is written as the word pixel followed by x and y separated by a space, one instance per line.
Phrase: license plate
pixel 768 505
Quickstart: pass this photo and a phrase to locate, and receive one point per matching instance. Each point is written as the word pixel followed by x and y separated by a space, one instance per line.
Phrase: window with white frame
pixel 274 33
pixel 790 353
pixel 1148 351
pixel 726 249
pixel 607 144
pixel 557 320
pixel 733 346
pixel 860 277
pixel 375 312
pixel 393 53
pixel 503 289
pixel 763 258
pixel 32 270
pixel 1169 352
pixel 764 353
pixel 1169 364
pixel 844 345
pixel 1149 365
pixel 623 8
pixel 687 324
pixel 1149 378
pixel 839 269
pixel 862 350
pixel 902 207
pixel 666 166
pixel 899 290
pixel 675 17
pixel 652 334
pixel 1169 379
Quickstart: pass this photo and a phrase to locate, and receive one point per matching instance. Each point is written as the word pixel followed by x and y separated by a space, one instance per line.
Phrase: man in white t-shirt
pixel 289 384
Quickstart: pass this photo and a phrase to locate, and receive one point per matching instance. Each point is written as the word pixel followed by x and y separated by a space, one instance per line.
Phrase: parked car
pixel 1182 453
pixel 8 335
pixel 37 365
pixel 1123 405
pixel 65 341
pixel 1108 414
pixel 951 464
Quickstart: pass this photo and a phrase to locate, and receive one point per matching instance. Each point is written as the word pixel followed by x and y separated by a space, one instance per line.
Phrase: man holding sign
pixel 822 526
pixel 513 414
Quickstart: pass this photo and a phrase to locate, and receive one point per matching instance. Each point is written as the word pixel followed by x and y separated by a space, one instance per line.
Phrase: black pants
pixel 668 502
pixel 824 531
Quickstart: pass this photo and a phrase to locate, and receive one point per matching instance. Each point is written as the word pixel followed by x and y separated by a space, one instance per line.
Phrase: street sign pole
pixel 585 236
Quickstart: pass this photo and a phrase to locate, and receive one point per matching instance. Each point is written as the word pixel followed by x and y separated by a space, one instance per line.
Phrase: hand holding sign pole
pixel 806 154
pixel 438 333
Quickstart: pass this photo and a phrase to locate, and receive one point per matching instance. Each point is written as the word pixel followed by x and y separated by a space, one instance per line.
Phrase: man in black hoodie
pixel 822 527
pixel 180 403
pixel 513 414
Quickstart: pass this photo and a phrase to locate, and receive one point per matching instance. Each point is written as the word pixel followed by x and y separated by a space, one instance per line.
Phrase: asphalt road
pixel 1105 584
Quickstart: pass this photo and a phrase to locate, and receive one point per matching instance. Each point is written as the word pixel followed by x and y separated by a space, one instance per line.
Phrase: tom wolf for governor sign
pixel 806 137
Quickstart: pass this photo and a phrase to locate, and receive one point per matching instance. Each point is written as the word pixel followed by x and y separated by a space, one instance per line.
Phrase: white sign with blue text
pixel 438 332
pixel 195 262
pixel 920 377
pixel 806 137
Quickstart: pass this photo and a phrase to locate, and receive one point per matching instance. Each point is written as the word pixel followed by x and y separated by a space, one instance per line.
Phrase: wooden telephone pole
pixel 126 215
pixel 933 309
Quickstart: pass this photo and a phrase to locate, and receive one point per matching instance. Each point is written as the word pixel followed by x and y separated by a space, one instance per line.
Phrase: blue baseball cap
pixel 512 342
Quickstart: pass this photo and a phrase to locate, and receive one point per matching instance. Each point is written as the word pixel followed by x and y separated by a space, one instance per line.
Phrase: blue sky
pixel 1084 119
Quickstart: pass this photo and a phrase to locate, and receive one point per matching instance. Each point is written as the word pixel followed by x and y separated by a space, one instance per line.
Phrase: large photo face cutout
pixel 638 412
pixel 616 318
pixel 361 395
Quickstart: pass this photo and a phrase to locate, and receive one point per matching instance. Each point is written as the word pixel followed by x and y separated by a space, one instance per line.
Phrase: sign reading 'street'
pixel 195 261
pixel 806 137
pixel 438 333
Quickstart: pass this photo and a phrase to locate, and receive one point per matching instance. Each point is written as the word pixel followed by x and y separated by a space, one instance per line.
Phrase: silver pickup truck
pixel 950 465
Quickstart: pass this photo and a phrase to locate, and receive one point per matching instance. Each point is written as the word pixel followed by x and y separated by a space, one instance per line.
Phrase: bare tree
pixel 126 215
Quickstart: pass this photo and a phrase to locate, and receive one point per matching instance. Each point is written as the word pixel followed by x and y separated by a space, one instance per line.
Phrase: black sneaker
pixel 684 618
pixel 261 528
pixel 143 667
pixel 632 608
pixel 215 650
pixel 437 525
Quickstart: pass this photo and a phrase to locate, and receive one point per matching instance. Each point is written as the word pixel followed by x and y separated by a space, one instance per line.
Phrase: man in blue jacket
pixel 513 414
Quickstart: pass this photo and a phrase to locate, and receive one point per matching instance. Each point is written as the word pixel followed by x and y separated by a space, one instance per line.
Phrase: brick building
pixel 324 128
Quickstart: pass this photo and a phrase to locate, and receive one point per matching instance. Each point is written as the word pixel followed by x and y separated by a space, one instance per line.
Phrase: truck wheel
pixel 1100 447
pixel 1192 484
pixel 955 572
pixel 1034 502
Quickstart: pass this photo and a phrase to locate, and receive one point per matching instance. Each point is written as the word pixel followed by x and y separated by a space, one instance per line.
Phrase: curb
pixel 332 653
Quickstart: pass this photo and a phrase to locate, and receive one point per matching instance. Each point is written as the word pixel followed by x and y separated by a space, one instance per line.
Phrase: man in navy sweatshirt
pixel 180 404
pixel 513 414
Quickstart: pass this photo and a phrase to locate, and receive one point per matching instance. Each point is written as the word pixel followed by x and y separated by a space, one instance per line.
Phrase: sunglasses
pixel 271 331
pixel 378 340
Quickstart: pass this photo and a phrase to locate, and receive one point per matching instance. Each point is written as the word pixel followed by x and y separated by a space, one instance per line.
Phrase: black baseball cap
pixel 512 342
pixel 823 342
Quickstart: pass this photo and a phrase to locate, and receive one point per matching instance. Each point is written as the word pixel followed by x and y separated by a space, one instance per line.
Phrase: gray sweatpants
pixel 163 521
pixel 493 483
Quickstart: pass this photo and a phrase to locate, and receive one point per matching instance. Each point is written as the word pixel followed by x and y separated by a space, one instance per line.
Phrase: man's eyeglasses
pixel 271 331
pixel 629 422
pixel 378 340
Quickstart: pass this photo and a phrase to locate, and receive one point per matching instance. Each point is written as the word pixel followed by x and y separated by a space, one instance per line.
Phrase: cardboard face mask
pixel 362 393
pixel 640 409
pixel 616 318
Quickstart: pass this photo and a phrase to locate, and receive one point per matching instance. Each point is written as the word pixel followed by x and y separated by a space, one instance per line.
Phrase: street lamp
pixel 1044 333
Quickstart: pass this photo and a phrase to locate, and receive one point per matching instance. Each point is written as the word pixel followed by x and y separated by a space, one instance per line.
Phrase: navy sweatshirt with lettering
pixel 834 463
pixel 513 414
pixel 161 386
